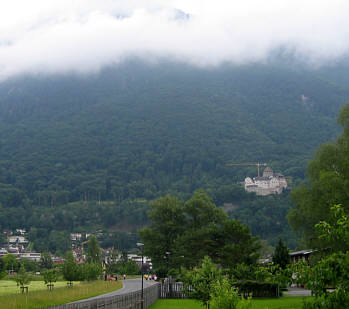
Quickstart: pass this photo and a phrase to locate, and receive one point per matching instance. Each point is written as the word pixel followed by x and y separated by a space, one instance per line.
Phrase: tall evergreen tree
pixel 281 254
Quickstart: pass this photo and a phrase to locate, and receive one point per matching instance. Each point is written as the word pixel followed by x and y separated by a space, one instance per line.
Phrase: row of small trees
pixel 70 270
pixel 23 278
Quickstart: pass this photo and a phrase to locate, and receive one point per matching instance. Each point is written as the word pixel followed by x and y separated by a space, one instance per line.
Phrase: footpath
pixel 297 292
pixel 128 286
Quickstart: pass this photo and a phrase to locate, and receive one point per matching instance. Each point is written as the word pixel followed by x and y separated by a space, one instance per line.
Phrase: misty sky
pixel 41 36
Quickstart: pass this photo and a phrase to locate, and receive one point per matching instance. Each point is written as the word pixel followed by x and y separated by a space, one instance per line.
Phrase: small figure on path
pixel 124 277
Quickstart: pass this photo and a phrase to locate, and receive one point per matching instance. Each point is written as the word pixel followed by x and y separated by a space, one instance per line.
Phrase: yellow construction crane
pixel 249 164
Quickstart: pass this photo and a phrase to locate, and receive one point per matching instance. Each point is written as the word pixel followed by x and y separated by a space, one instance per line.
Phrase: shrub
pixel 50 276
pixel 91 271
pixel 257 288
pixel 225 296
pixel 22 278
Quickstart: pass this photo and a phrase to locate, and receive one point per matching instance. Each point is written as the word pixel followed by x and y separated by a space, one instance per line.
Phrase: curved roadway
pixel 128 286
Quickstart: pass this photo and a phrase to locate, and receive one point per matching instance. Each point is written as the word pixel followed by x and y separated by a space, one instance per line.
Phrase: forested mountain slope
pixel 137 131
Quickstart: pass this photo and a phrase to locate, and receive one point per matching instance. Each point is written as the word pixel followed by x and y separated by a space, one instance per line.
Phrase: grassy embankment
pixel 267 303
pixel 60 295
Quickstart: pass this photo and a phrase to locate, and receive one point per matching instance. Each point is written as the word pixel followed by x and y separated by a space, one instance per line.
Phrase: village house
pixel 21 232
pixel 75 236
pixel 302 255
pixel 33 256
pixel 17 240
pixel 3 252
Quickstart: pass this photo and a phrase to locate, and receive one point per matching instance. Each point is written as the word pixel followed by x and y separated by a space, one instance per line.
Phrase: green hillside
pixel 83 152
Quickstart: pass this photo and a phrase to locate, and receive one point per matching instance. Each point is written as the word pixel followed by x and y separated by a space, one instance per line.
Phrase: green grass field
pixel 269 303
pixel 60 295
pixel 10 286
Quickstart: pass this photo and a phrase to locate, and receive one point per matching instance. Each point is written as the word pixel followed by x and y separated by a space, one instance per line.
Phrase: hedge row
pixel 257 288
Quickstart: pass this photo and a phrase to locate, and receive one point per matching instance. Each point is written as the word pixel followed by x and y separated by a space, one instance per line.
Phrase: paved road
pixel 292 291
pixel 128 286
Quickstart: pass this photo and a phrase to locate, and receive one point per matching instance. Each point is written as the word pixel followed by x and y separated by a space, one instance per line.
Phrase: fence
pixel 172 290
pixel 131 300
pixel 124 301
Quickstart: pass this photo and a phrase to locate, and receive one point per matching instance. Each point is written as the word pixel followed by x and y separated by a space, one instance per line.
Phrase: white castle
pixel 269 183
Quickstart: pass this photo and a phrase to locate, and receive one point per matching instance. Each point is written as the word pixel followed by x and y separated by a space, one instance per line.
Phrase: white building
pixel 13 249
pixel 17 240
pixel 21 231
pixel 34 256
pixel 3 252
pixel 138 259
pixel 269 183
pixel 75 236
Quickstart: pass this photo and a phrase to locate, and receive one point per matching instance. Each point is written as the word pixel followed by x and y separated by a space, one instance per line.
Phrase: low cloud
pixel 56 36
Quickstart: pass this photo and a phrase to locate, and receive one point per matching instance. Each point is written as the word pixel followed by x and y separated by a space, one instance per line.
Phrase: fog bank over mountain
pixel 84 36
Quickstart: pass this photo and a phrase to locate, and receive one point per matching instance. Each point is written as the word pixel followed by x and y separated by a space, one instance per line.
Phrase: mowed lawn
pixel 268 303
pixel 60 295
pixel 10 286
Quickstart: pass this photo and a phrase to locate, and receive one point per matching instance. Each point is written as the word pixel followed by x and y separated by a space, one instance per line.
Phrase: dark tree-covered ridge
pixel 82 152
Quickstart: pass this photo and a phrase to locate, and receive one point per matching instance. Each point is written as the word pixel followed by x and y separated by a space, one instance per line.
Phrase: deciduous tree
pixel 22 278
pixel 331 270
pixel 201 280
pixel 183 234
pixel 50 276
pixel 328 179
pixel 70 268
pixel 167 223
pixel 91 271
pixel 46 261
pixel 93 251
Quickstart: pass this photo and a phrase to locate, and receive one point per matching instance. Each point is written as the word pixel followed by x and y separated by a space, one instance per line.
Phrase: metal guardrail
pixel 131 300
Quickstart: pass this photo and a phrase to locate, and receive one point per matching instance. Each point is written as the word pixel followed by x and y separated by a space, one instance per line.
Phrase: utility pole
pixel 141 245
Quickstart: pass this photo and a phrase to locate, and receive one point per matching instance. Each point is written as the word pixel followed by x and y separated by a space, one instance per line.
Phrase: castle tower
pixel 268 172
